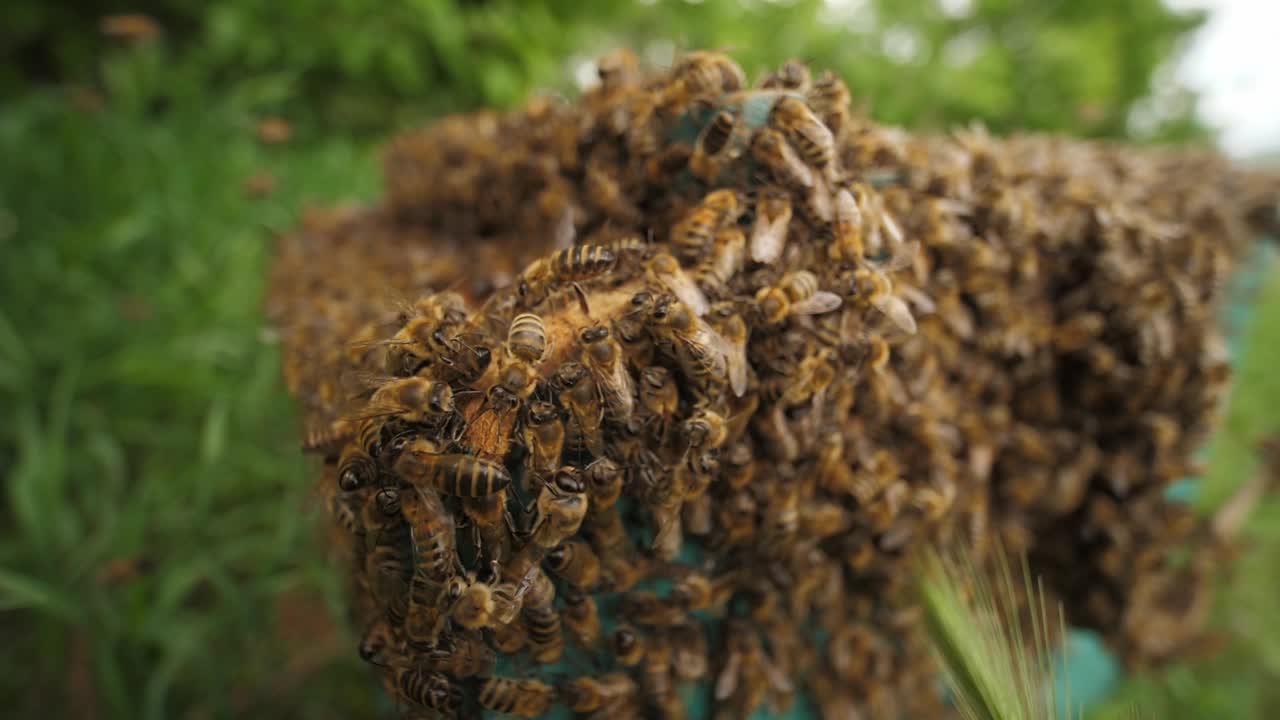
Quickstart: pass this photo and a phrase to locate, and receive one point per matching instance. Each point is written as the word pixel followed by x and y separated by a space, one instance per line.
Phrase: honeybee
pixel 796 294
pixel 516 382
pixel 602 190
pixel 588 694
pixel 709 73
pixel 631 328
pixel 581 617
pixel 659 396
pixel 451 474
pixel 793 75
pixel 769 232
pixel 830 100
pixel 725 260
pixel 793 118
pixel 739 466
pixel 604 484
pixel 602 356
pixel 379 645
pixel 628 645
pixel 475 605
pixel 644 607
pixel 665 271
pixel 527 698
pixel 747 674
pixel 702 352
pixel 527 338
pixel 656 678
pixel 431 531
pixel 544 439
pixel 428 689
pixel 466 655
pixel 846 228
pixel 727 321
pixel 356 468
pixel 775 154
pixel 705 161
pixel 578 263
pixel 618 69
pixel 689 657
pixel 561 507
pixel 580 396
pixel 412 400
pixel 879 294
pixel 542 622
pixel 576 562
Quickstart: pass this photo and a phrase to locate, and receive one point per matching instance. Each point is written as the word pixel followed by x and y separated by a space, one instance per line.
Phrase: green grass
pixel 144 418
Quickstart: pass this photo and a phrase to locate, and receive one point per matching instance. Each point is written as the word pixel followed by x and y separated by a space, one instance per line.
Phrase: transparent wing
pixel 817 304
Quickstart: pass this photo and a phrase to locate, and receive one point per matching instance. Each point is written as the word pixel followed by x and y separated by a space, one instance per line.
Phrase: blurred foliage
pixel 154 558
pixel 1078 65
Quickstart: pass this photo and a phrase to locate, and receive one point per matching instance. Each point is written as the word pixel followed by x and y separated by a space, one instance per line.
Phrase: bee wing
pixel 891 228
pixel 565 231
pixel 919 298
pixel 727 680
pixel 687 291
pixel 903 256
pixel 817 304
pixel 768 238
pixel 896 310
pixel 624 387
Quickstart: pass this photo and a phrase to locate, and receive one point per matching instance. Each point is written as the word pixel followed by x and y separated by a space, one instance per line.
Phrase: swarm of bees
pixel 687 370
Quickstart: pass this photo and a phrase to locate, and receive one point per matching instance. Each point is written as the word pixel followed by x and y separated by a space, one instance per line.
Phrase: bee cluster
pixel 694 367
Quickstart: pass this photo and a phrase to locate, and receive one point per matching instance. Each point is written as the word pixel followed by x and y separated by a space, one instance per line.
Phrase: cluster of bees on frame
pixel 687 369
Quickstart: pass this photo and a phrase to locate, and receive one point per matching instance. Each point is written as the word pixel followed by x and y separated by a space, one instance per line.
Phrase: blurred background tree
pixel 1028 64
pixel 153 559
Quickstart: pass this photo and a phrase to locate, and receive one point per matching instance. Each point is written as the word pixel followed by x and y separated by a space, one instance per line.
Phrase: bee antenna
pixel 582 299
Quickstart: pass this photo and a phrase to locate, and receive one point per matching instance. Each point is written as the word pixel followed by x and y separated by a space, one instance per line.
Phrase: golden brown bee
pixel 769 232
pixel 628 645
pixel 581 617
pixel 631 329
pixel 576 562
pixel 580 396
pixel 544 439
pixel 846 228
pixel 561 506
pixel 702 352
pixel 704 430
pixel 475 605
pixel 543 624
pixel 431 531
pixel 602 356
pixel 656 678
pixel 709 73
pixel 726 258
pixel 796 294
pixel 356 469
pixel 516 381
pixel 659 395
pixel 379 645
pixel 830 100
pixel 466 655
pixel 604 484
pixel 451 474
pixel 618 69
pixel 527 338
pixel 748 674
pixel 705 162
pixel 693 235
pixel 588 694
pixel 578 263
pixel 793 118
pixel 793 75
pixel 411 400
pixel 663 270
pixel 429 690
pixel 739 466
pixel 526 698
pixel 779 159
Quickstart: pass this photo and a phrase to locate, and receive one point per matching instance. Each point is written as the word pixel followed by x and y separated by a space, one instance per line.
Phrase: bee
pixel 830 100
pixel 793 75
pixel 451 474
pixel 665 271
pixel 662 166
pixel 769 231
pixel 696 231
pixel 644 607
pixel 526 698
pixel 793 118
pixel 602 356
pixel 772 151
pixel 656 678
pixel 704 163
pixel 561 507
pixel 428 689
pixel 796 294
pixel 516 381
pixel 477 605
pixel 588 694
pixel 576 562
pixel 466 655
pixel 527 338
pixel 509 639
pixel 631 329
pixel 702 352
pixel 689 657
pixel 628 645
pixel 580 396
pixel 431 532
pixel 748 674
pixel 604 484
pixel 724 261
pixel 581 616
pixel 704 430
pixel 618 69
pixel 727 321
pixel 412 400
pixel 659 396
pixel 603 191
pixel 709 73
pixel 379 645
pixel 356 468
pixel 544 439
pixel 578 263
pixel 739 466
pixel 846 228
